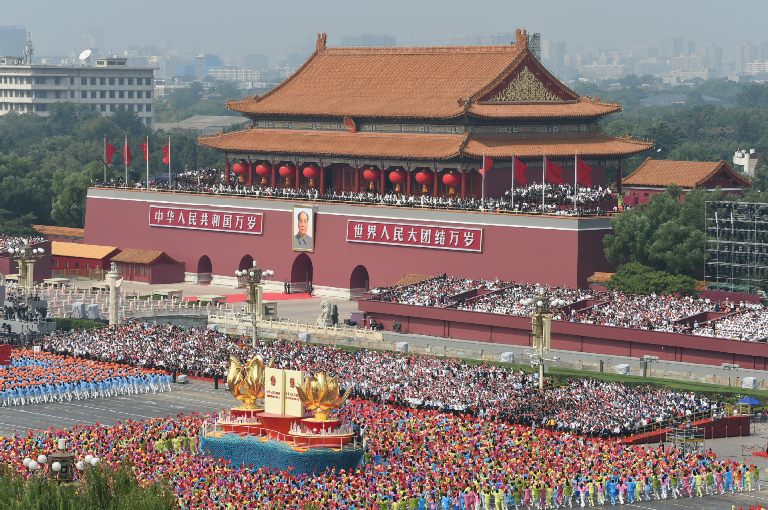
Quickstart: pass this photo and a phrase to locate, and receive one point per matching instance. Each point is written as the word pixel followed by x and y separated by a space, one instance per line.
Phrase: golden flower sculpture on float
pixel 246 383
pixel 321 394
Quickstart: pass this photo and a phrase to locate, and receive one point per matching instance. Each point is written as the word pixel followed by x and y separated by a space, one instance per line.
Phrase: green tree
pixel 634 278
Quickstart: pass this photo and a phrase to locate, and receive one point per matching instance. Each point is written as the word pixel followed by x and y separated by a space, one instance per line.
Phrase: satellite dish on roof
pixel 84 55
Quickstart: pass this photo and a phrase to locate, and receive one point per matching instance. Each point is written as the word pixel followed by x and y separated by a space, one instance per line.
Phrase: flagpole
pixel 125 159
pixel 543 180
pixel 147 162
pixel 169 161
pixel 104 160
pixel 513 182
pixel 482 167
pixel 575 178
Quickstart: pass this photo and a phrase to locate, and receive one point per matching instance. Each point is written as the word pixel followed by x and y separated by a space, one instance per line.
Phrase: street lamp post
pixel 729 367
pixel 541 329
pixel 25 257
pixel 645 359
pixel 252 278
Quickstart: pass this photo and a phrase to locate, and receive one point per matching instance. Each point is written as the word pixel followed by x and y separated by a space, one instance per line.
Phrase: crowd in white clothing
pixel 7 242
pixel 559 198
pixel 452 385
pixel 738 321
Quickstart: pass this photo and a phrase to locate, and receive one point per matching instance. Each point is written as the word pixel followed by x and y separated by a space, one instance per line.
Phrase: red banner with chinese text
pixel 415 236
pixel 239 222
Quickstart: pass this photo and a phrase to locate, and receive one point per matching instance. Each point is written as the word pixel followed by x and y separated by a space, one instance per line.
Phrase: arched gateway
pixel 301 273
pixel 358 281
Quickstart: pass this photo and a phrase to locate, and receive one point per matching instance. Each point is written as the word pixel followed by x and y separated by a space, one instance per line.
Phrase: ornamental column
pixel 114 282
pixel 382 182
pixel 322 179
pixel 274 175
pixel 357 179
pixel 408 182
pixel 434 182
pixel 251 171
pixel 463 183
pixel 618 177
pixel 227 170
pixel 298 176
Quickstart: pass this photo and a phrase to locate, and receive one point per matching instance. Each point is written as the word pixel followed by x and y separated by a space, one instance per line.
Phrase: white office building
pixel 105 87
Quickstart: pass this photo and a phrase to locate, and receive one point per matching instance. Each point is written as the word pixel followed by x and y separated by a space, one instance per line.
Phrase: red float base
pixel 322 441
pixel 319 426
pixel 243 429
pixel 238 412
pixel 278 422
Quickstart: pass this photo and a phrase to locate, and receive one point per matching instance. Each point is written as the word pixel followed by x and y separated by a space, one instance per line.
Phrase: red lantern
pixel 451 179
pixel 311 172
pixel 424 177
pixel 263 170
pixel 370 175
pixel 287 171
pixel 396 177
pixel 240 168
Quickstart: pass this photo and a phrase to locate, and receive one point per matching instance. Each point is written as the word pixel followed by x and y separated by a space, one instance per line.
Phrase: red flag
pixel 583 173
pixel 127 156
pixel 554 173
pixel 520 169
pixel 109 152
pixel 167 153
pixel 145 150
pixel 486 165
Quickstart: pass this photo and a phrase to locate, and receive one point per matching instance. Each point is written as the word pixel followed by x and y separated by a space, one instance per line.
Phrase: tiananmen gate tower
pixel 439 122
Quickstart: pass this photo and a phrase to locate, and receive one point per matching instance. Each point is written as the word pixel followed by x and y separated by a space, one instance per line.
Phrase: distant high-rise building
pixel 104 87
pixel 204 63
pixel 714 58
pixel 373 40
pixel 12 40
pixel 534 44
pixel 746 54
pixel 553 53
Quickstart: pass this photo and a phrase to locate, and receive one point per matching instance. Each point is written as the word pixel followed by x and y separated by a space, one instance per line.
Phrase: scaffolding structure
pixel 736 246
pixel 687 439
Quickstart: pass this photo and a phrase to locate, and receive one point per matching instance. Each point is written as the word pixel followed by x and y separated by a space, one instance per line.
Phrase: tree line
pixel 48 163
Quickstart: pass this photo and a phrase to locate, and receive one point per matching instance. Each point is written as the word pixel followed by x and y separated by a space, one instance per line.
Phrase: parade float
pixel 286 420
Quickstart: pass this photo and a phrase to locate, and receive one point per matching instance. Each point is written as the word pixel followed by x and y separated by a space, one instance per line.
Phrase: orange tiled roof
pixel 136 256
pixel 499 146
pixel 686 174
pixel 338 143
pixel 414 146
pixel 600 277
pixel 79 250
pixel 574 109
pixel 427 82
pixel 53 230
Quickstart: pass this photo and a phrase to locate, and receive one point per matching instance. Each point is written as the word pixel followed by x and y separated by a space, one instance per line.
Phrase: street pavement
pixel 184 398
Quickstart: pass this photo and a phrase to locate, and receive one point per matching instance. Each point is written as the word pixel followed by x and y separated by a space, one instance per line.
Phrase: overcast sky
pixel 276 27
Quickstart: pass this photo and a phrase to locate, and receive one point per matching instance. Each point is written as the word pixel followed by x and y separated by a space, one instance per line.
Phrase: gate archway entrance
pixel 301 273
pixel 358 281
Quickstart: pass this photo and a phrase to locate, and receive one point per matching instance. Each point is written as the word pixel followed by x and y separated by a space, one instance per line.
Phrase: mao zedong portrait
pixel 302 240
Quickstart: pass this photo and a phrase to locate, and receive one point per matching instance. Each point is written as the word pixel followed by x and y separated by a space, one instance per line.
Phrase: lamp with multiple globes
pixel 252 278
pixel 541 321
pixel 25 257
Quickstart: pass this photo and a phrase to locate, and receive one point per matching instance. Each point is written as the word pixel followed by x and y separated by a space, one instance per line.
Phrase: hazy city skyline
pixel 238 27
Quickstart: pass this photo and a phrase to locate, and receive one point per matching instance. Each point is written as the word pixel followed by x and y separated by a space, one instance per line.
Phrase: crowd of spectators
pixel 667 313
pixel 7 242
pixel 416 381
pixel 750 325
pixel 20 306
pixel 558 200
